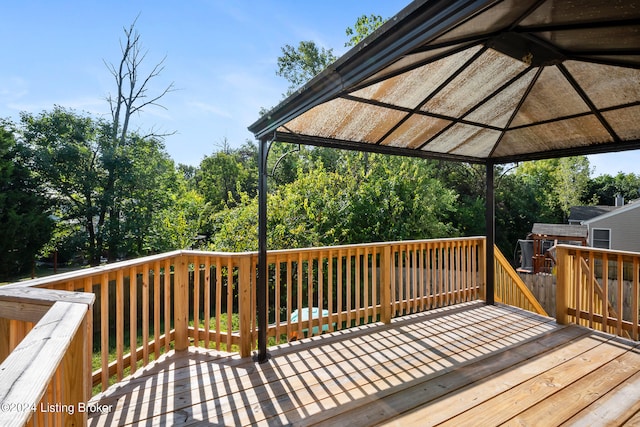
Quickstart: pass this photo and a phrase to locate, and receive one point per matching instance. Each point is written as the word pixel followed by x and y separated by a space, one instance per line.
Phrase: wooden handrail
pixel 57 343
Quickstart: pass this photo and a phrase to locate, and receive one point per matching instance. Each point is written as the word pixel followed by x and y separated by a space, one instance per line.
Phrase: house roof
pixel 478 81
pixel 583 213
pixel 560 230
pixel 618 211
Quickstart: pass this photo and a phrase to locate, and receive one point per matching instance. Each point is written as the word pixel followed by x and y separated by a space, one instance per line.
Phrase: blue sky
pixel 220 55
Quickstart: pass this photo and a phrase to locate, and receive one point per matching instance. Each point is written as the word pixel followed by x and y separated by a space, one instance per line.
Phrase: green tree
pixel 364 26
pixel 602 190
pixel 25 224
pixel 107 191
pixel 558 184
pixel 227 173
pixel 177 225
pixel 301 64
pixel 65 152
pixel 148 181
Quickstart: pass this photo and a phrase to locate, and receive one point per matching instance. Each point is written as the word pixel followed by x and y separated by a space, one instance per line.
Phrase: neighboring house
pixel 606 227
pixel 580 214
pixel 618 229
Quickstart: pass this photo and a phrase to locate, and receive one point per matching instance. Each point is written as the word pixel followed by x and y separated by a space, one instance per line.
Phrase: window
pixel 601 238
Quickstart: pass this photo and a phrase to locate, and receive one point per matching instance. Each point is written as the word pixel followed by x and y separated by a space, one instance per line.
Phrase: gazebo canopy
pixel 479 81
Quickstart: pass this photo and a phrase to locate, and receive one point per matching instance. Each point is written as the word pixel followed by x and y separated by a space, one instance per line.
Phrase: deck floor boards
pixel 469 364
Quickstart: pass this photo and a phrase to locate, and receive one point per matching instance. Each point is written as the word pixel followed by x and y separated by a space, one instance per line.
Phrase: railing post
pixel 75 373
pixel 563 282
pixel 181 302
pixel 244 292
pixel 385 285
pixel 4 338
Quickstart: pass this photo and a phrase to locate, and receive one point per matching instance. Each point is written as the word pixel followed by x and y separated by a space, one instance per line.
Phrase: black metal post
pixel 261 285
pixel 490 212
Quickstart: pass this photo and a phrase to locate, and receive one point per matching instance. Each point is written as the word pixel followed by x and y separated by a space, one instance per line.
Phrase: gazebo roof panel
pixel 474 84
pixel 621 85
pixel 499 110
pixel 496 17
pixel 464 70
pixel 625 122
pixel 551 96
pixel 580 11
pixel 415 131
pixel 344 119
pixel 556 135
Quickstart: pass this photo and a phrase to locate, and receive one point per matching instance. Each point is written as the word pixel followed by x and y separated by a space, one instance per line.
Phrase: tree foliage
pixel 108 190
pixel 115 192
pixel 25 224
pixel 364 26
pixel 301 64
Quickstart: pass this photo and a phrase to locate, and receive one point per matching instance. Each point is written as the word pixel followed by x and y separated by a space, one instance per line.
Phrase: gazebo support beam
pixel 261 285
pixel 490 212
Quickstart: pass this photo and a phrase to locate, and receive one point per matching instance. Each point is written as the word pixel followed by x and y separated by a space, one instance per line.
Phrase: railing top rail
pixel 44 296
pixel 92 271
pixel 28 369
pixel 575 248
pixel 372 245
pixel 108 268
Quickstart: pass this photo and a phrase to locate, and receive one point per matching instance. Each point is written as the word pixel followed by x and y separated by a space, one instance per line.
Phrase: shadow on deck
pixel 466 364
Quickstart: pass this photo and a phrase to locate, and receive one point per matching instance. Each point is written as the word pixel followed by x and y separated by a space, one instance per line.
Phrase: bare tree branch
pixel 131 85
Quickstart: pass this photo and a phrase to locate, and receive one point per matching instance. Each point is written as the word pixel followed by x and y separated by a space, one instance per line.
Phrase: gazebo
pixel 479 81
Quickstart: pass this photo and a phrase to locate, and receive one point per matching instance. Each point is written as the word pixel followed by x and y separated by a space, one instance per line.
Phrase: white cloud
pixel 210 108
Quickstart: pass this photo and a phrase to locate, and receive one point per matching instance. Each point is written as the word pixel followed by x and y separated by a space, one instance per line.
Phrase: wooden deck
pixel 469 364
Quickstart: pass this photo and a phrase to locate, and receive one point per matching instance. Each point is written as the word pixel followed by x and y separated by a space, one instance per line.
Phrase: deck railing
pixel 509 287
pixel 599 289
pixel 315 290
pixel 148 306
pixel 44 377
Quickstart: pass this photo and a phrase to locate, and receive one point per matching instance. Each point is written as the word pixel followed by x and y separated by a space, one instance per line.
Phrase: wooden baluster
pixel 321 318
pixel 156 310
pixel 385 285
pixel 230 302
pixel 167 304
pixel 330 292
pixel 133 318
pixel 289 285
pixel 104 329
pixel 218 301
pixel 207 300
pixel 144 276
pixel 310 292
pixel 620 294
pixel 196 301
pixel 244 304
pixel 562 285
pixel 374 282
pixel 635 295
pixel 120 324
pixel 277 285
pixel 339 288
